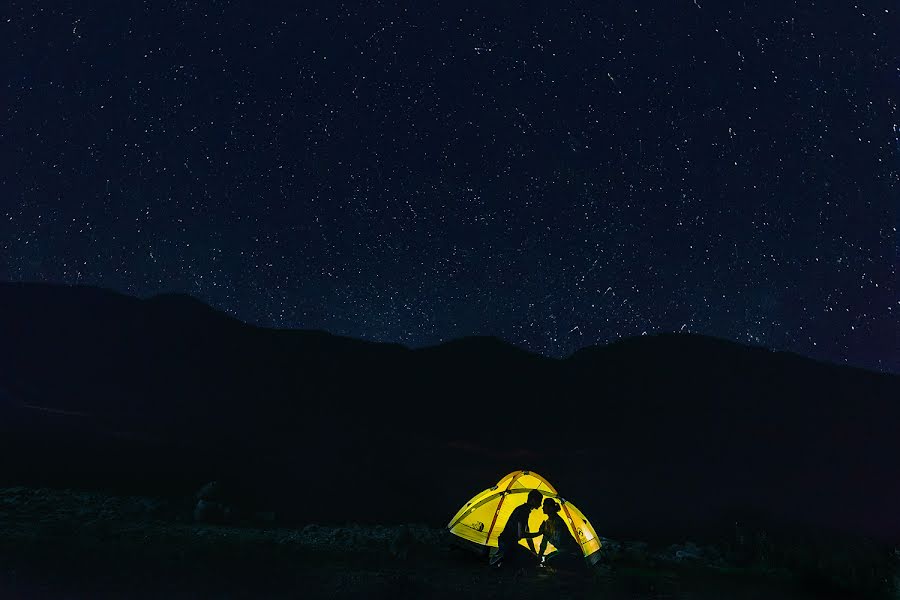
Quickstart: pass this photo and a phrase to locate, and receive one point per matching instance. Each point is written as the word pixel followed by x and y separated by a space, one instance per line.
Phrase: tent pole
pixel 499 506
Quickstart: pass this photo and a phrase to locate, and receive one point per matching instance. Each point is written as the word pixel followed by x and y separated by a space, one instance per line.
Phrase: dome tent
pixel 479 522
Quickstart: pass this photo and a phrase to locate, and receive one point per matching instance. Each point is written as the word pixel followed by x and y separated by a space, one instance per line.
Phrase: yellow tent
pixel 480 521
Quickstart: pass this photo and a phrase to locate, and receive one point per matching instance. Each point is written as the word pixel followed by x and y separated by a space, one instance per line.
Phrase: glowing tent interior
pixel 479 522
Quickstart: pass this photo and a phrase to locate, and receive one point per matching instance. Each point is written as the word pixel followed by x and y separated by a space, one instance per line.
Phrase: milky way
pixel 556 176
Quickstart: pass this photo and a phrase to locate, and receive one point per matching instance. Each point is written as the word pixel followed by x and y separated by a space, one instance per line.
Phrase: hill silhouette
pixel 656 435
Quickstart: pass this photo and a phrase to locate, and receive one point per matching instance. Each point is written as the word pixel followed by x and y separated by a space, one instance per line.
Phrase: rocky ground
pixel 78 544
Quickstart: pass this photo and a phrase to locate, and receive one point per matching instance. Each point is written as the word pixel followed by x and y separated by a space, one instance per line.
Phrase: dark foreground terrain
pixel 81 544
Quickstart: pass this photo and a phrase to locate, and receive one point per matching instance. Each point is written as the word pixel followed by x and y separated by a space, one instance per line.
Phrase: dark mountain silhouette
pixel 659 434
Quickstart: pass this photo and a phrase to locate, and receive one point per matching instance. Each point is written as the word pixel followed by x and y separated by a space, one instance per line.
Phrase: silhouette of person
pixel 509 552
pixel 568 555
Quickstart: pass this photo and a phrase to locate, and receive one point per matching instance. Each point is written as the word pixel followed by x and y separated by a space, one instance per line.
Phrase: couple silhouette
pixel 567 554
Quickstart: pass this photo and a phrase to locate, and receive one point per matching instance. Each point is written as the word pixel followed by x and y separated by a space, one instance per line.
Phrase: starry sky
pixel 554 174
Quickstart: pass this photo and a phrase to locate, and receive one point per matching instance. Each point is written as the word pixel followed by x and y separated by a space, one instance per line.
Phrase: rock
pixel 610 549
pixel 208 511
pixel 211 491
pixel 217 504
pixel 686 553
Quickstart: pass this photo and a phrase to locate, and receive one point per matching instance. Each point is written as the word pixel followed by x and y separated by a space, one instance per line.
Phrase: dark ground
pixel 81 544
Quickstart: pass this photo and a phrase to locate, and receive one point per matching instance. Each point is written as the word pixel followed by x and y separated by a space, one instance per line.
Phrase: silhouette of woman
pixel 568 555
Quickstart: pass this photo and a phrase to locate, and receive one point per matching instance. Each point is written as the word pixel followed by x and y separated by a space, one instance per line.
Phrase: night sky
pixel 555 174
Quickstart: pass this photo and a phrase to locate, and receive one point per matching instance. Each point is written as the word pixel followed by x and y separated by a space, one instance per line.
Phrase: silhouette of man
pixel 516 528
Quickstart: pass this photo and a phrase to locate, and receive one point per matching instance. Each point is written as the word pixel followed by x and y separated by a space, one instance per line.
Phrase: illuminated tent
pixel 479 522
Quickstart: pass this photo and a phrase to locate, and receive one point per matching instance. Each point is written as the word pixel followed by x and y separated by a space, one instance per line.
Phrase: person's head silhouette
pixel 550 506
pixel 534 499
